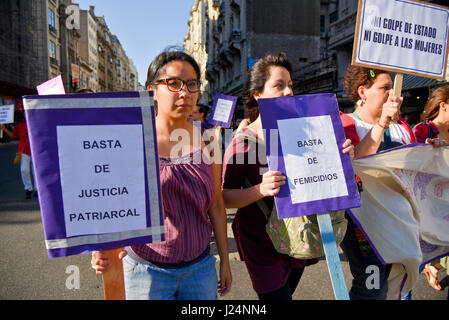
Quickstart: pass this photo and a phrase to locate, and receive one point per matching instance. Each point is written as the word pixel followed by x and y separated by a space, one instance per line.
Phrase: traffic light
pixel 75 83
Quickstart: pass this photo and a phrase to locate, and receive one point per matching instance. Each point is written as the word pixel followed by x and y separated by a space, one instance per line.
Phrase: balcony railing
pixel 342 30
pixel 53 29
pixel 54 61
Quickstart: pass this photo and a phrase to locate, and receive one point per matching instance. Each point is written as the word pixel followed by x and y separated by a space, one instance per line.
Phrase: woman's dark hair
pixel 84 90
pixel 19 116
pixel 203 109
pixel 356 76
pixel 432 108
pixel 256 78
pixel 158 64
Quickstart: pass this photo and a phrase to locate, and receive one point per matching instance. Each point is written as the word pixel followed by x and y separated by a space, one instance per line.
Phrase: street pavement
pixel 28 274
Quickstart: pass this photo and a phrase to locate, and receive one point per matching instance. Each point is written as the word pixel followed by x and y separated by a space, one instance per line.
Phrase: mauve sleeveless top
pixel 187 191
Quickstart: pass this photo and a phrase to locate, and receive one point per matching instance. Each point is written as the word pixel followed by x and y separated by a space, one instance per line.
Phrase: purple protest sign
pixel 222 110
pixel 304 138
pixel 97 170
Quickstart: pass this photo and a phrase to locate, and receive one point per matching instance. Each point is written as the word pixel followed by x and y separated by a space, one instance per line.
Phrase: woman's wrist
pixel 385 127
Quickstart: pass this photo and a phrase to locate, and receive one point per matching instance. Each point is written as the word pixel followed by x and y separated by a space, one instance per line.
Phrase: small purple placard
pixel 97 170
pixel 222 110
pixel 304 138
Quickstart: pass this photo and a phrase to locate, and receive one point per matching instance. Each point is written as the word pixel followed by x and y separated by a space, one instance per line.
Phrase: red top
pixel 421 131
pixel 21 131
pixel 268 269
pixel 351 132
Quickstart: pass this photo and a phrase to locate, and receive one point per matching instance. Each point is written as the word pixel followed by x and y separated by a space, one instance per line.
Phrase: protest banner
pixel 304 141
pixel 406 192
pixel 7 114
pixel 97 170
pixel 52 86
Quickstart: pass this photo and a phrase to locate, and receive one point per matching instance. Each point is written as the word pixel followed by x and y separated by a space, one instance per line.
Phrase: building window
pixel 51 21
pixel 52 50
pixel 51 18
pixel 322 24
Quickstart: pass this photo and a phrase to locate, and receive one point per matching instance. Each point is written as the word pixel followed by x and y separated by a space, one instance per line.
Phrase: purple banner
pixel 93 156
pixel 304 138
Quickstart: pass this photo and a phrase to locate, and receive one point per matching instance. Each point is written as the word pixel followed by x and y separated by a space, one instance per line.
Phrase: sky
pixel 144 27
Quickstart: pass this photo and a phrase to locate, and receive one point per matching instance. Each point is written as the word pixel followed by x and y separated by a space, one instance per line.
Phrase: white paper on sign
pixel 7 114
pixel 223 110
pixel 102 178
pixel 52 86
pixel 312 160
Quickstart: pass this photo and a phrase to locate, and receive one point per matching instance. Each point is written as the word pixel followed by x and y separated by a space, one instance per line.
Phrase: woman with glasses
pixel 246 180
pixel 181 267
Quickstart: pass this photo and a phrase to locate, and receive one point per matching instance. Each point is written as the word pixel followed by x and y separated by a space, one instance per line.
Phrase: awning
pixel 412 82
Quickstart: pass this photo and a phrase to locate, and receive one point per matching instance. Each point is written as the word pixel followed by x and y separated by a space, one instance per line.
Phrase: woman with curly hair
pixel 374 125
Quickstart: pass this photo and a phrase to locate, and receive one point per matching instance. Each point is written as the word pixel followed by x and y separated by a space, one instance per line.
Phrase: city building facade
pixel 42 39
pixel 227 36
pixel 25 37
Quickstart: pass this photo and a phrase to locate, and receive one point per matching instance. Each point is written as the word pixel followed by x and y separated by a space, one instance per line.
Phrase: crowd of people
pixel 153 271
pixel 196 195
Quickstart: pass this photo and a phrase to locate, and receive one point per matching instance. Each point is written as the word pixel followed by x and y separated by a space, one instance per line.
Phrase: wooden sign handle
pixel 397 87
pixel 113 280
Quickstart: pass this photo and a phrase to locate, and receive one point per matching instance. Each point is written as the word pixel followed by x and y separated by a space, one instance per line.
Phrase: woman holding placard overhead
pixel 181 267
pixel 246 180
pixel 373 126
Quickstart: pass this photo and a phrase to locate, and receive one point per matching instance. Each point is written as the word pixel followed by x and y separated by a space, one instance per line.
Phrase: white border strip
pixel 102 238
pixel 80 103
pixel 147 103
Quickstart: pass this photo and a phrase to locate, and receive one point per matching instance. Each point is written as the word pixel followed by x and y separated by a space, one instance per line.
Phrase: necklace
pixel 357 116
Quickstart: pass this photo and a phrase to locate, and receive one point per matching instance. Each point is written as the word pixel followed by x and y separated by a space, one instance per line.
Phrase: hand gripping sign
pixel 304 138
pixel 97 170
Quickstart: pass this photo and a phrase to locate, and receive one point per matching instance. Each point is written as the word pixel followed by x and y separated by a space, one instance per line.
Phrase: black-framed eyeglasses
pixel 175 85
